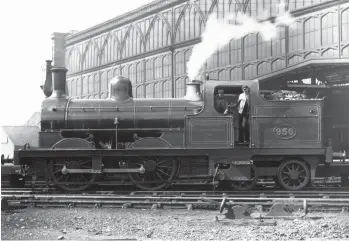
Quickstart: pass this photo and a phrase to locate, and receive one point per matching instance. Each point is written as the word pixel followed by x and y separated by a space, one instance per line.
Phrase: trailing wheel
pixel 158 172
pixel 73 182
pixel 293 175
pixel 247 185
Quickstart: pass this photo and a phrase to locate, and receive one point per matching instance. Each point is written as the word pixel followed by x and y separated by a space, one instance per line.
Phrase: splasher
pixel 219 32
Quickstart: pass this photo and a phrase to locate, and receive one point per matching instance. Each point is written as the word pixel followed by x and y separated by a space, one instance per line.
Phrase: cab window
pixel 225 97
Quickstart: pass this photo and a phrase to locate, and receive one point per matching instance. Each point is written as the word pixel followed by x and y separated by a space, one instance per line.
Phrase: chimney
pixel 193 91
pixel 47 87
pixel 58 69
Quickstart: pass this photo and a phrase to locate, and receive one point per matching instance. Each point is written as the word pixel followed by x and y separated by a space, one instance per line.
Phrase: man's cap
pixel 244 87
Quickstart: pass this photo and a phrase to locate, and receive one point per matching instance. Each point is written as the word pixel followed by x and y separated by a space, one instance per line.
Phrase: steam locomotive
pixel 154 143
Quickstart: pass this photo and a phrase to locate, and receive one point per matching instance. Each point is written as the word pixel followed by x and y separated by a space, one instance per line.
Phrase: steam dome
pixel 120 88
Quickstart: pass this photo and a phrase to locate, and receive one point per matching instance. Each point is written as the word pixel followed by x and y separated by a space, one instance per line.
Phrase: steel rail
pixel 312 204
pixel 182 182
pixel 242 195
pixel 252 193
pixel 173 198
pixel 148 202
pixel 314 201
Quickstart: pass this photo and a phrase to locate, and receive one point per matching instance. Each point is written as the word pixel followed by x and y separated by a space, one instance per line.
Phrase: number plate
pixel 242 162
pixel 95 171
pixel 284 132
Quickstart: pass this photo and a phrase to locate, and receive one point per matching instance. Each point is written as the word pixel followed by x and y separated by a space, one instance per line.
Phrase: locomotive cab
pixel 226 102
pixel 277 117
pixel 217 125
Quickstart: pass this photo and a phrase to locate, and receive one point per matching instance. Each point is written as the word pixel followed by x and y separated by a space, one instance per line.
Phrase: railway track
pixel 305 200
pixel 310 193
pixel 334 182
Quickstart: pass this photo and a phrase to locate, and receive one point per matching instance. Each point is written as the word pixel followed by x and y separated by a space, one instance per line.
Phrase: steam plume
pixel 219 32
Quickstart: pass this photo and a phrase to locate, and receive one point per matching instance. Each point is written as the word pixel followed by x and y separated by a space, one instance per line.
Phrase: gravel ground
pixel 103 223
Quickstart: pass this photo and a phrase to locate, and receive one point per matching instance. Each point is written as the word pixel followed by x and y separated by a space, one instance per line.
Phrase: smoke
pixel 219 32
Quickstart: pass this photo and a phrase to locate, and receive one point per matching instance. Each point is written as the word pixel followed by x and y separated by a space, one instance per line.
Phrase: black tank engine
pixel 154 143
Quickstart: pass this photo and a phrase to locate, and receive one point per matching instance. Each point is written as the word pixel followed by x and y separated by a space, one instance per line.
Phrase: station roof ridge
pixel 157 6
pixel 153 6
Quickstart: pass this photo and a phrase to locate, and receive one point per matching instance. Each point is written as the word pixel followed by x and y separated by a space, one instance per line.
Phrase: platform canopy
pixel 331 72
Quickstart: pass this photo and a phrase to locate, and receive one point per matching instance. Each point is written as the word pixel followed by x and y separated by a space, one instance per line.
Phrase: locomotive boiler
pixel 154 143
pixel 119 116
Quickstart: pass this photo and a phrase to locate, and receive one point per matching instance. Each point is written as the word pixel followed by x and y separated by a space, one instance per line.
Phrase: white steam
pixel 219 32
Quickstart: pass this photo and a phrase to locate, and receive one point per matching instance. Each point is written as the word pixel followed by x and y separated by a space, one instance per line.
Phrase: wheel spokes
pixel 157 175
pixel 163 172
pixel 72 181
pixel 293 175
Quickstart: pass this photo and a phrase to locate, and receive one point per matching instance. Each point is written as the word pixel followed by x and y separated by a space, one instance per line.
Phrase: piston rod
pixel 140 170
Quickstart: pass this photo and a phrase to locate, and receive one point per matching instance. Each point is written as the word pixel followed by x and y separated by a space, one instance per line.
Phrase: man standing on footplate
pixel 244 109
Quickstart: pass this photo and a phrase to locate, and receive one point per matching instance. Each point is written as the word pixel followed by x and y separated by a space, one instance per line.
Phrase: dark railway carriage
pixel 155 142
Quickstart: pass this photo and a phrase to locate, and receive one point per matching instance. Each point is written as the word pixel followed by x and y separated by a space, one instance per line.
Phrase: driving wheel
pixel 158 172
